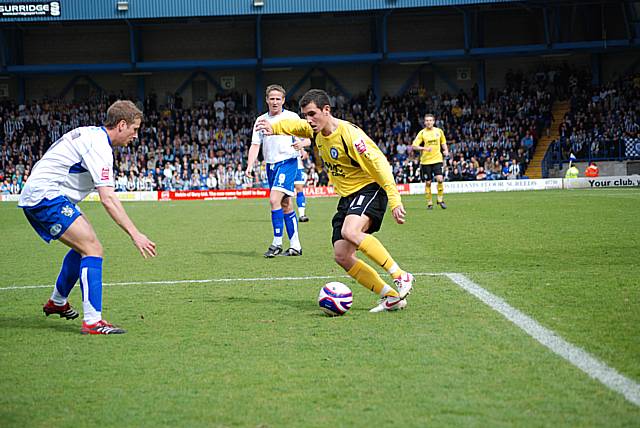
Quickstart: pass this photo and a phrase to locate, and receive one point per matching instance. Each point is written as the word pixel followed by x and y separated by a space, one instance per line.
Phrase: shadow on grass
pixel 295 306
pixel 40 324
pixel 250 254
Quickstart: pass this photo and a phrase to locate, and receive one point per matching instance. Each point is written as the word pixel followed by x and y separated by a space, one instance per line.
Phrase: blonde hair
pixel 122 110
pixel 274 88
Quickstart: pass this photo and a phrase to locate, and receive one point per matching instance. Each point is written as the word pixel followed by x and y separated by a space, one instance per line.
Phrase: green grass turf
pixel 261 354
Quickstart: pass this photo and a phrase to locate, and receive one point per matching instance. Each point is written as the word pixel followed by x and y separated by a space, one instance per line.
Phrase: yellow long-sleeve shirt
pixel 350 157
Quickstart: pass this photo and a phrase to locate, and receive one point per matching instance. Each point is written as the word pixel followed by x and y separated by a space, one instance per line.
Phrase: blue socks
pixel 291 222
pixel 277 221
pixel 67 278
pixel 300 200
pixel 91 284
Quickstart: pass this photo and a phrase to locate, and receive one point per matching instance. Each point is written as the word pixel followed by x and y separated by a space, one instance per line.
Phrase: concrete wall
pixel 607 169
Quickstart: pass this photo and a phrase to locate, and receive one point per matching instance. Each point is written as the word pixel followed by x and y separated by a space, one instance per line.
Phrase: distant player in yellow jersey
pixel 433 145
pixel 362 176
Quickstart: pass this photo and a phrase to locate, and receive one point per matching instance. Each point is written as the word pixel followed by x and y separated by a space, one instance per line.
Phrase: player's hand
pixel 264 126
pixel 297 144
pixel 146 247
pixel 398 214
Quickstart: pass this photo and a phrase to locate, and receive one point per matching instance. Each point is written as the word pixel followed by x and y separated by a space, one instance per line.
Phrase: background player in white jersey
pixel 299 182
pixel 78 163
pixel 280 153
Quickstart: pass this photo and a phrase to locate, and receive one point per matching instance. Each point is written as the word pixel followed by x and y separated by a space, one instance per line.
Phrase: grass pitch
pixel 259 353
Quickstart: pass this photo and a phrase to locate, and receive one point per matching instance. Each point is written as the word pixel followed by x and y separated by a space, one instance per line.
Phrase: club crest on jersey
pixel 67 210
pixel 360 146
pixel 55 229
pixel 334 153
pixel 105 173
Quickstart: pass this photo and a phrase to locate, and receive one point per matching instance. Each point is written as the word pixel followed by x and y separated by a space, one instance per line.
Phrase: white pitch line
pixel 208 281
pixel 573 354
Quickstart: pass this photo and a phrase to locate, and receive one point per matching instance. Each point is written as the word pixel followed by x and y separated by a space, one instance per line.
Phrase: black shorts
pixel 370 200
pixel 430 171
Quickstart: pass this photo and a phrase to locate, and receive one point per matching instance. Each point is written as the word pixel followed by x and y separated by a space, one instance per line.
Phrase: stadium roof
pixel 85 10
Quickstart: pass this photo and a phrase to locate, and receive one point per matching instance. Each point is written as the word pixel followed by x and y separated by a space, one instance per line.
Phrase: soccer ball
pixel 335 299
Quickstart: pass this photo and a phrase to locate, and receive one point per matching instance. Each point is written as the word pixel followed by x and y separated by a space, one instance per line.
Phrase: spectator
pixel 572 172
pixel 592 170
pixel 212 181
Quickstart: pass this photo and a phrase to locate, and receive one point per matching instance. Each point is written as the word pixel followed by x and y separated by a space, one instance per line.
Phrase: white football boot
pixel 404 284
pixel 389 303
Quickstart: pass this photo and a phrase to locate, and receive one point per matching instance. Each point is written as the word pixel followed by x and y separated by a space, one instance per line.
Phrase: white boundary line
pixel 581 359
pixel 207 281
pixel 596 369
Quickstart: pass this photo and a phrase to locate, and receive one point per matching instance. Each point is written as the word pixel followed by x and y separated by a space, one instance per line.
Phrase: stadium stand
pixel 603 122
pixel 204 146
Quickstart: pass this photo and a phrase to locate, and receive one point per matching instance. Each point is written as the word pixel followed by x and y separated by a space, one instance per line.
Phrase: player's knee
pixel 93 248
pixel 342 259
pixel 350 234
pixel 275 204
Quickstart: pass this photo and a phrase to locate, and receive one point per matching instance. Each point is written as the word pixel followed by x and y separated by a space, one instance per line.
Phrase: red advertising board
pixel 187 195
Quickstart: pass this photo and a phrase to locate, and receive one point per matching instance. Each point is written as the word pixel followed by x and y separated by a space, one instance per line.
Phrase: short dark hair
pixel 430 115
pixel 122 110
pixel 317 96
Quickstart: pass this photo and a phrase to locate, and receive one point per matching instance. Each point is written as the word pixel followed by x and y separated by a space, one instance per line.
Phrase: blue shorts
pixel 281 175
pixel 301 176
pixel 50 218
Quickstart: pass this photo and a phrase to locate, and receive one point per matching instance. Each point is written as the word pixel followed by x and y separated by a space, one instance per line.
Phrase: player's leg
pixel 81 237
pixel 277 223
pixel 439 179
pixel 301 201
pixel 50 219
pixel 291 224
pixel 281 177
pixel 277 215
pixel 67 278
pixel 364 217
pixel 345 255
pixel 426 175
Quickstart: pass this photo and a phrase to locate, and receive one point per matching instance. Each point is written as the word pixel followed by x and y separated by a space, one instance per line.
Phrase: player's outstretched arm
pixel 296 127
pixel 114 208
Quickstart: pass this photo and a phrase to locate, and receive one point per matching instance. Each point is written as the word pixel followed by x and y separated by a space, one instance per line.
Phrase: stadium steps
pixel 559 109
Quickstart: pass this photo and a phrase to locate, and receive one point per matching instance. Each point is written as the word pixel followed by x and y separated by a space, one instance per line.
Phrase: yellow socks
pixel 440 192
pixel 369 278
pixel 427 192
pixel 374 249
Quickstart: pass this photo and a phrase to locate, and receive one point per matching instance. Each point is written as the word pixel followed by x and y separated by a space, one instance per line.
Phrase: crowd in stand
pixel 205 146
pixel 603 121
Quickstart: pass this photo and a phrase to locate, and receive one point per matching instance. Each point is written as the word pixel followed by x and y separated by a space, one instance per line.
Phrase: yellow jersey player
pixel 433 145
pixel 362 176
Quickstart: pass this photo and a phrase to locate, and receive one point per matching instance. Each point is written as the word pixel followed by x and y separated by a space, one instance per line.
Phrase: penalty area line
pixel 580 358
pixel 208 281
